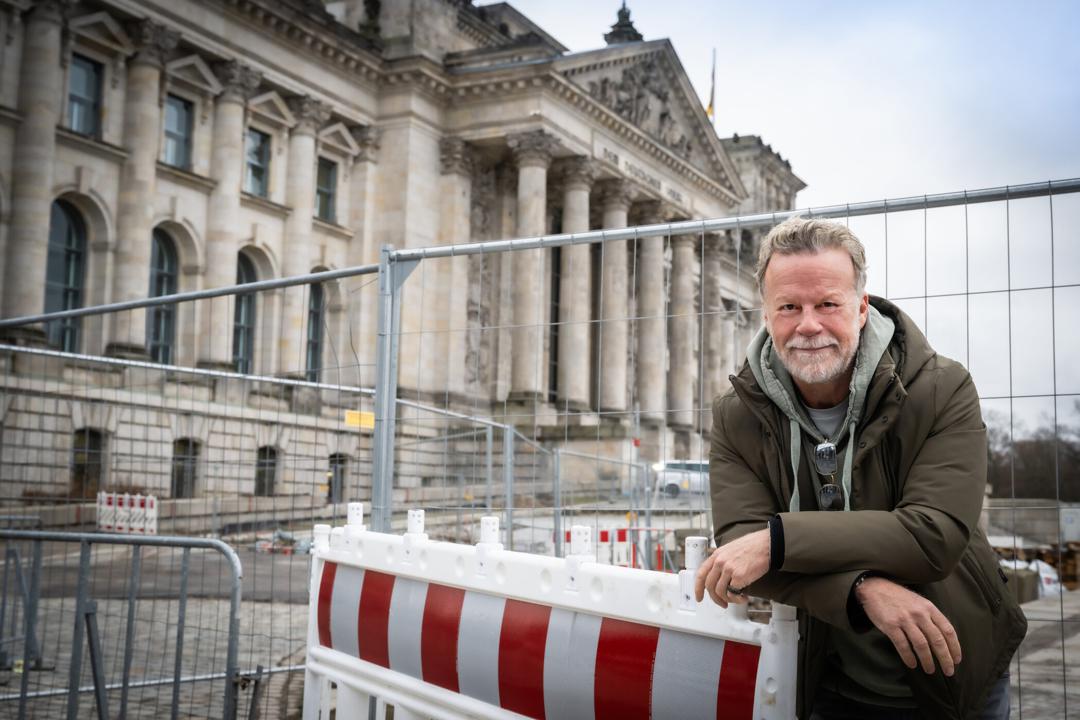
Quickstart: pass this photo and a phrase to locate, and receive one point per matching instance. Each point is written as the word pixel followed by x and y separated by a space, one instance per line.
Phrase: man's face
pixel 813 313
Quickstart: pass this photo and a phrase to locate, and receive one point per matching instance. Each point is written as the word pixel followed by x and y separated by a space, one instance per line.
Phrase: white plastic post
pixel 695 555
pixel 151 515
pixel 489 542
pixel 581 540
pixel 415 523
pixel 137 521
pixel 778 665
pixel 123 513
pixel 337 537
pixel 356 515
pixel 321 535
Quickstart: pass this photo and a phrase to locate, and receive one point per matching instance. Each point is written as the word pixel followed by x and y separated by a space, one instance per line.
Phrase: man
pixel 847 471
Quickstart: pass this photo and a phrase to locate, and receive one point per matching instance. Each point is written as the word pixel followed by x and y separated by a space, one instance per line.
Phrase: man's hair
pixel 803 235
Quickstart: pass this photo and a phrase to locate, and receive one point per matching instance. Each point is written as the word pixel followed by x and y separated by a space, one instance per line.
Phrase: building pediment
pixel 102 30
pixel 270 107
pixel 645 84
pixel 195 73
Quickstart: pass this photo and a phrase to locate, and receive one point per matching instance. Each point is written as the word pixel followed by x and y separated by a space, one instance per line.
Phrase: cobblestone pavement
pixel 1045 674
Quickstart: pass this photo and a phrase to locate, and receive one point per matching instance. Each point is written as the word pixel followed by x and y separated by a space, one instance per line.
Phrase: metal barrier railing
pixel 44 627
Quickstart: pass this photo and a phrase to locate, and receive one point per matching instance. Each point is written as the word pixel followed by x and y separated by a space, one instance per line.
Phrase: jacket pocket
pixel 991 592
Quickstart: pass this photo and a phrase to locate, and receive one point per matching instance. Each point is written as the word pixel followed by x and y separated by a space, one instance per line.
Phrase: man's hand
pixel 912 623
pixel 732 567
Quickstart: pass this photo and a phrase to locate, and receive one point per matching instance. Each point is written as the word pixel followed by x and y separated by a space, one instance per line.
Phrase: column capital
pixel 311 114
pixel 238 80
pixel 455 156
pixel 652 212
pixel 53 11
pixel 368 138
pixel 616 194
pixel 533 148
pixel 579 173
pixel 153 42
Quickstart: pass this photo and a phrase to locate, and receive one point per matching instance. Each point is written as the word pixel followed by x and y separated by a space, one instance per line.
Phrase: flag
pixel 711 109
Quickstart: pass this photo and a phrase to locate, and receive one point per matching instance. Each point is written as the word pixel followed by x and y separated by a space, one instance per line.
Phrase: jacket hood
pixel 775 381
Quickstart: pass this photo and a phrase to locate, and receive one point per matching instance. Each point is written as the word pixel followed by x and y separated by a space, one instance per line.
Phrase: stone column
pixel 138 179
pixel 455 200
pixel 223 215
pixel 532 154
pixel 310 115
pixel 616 197
pixel 363 302
pixel 41 83
pixel 651 355
pixel 575 290
pixel 681 328
pixel 716 338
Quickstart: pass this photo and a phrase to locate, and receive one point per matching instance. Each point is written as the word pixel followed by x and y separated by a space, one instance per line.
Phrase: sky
pixel 872 100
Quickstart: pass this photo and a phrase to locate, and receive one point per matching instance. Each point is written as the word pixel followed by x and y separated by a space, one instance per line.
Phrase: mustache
pixel 811 343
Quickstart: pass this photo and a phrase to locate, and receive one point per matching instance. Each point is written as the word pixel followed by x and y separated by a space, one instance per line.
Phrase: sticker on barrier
pixel 446 631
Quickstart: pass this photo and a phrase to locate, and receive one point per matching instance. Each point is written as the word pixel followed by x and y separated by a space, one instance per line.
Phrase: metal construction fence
pixel 558 380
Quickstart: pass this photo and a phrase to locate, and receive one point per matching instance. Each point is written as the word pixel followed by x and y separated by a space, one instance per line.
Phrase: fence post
pixel 508 483
pixel 489 461
pixel 31 626
pixel 392 275
pixel 77 636
pixel 97 667
pixel 129 635
pixel 556 492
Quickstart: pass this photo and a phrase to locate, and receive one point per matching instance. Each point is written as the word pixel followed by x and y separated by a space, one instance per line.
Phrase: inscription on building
pixel 637 172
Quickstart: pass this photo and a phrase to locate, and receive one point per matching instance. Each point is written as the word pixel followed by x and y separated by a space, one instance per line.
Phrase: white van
pixel 676 476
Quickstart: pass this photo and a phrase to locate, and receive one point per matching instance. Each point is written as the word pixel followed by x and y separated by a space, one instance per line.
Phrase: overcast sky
pixel 874 99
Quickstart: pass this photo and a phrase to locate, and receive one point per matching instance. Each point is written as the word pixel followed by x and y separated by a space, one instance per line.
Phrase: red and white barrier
pixel 442 630
pixel 127 514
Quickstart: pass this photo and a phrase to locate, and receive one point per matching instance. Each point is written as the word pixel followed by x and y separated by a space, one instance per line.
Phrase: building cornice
pixel 100 148
pixel 324 36
pixel 260 203
pixel 186 177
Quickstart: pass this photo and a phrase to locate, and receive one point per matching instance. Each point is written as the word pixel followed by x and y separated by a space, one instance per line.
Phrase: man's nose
pixel 809 324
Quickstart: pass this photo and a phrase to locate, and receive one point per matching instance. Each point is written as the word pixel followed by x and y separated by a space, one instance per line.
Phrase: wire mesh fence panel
pixel 552 380
pixel 117 627
pixel 236 428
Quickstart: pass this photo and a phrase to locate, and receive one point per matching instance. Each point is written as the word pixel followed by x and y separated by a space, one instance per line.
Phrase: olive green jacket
pixel 918 480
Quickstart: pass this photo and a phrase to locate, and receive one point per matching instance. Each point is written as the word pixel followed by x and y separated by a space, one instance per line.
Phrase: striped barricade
pixel 442 630
pixel 128 514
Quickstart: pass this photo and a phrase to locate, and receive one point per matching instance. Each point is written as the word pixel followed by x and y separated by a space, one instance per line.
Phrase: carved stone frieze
pixel 239 82
pixel 153 41
pixel 640 95
pixel 455 156
pixel 532 148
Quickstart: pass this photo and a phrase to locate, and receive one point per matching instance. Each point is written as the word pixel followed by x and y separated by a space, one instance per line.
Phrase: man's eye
pixel 787 308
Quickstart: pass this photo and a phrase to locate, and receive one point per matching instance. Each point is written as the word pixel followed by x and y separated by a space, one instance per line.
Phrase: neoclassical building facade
pixel 154 146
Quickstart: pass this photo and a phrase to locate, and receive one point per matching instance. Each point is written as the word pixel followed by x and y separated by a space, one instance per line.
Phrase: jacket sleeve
pixel 743 503
pixel 922 539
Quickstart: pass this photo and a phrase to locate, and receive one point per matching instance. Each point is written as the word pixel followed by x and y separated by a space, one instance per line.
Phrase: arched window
pixel 64 274
pixel 339 465
pixel 161 319
pixel 87 462
pixel 244 318
pixel 185 464
pixel 265 470
pixel 315 318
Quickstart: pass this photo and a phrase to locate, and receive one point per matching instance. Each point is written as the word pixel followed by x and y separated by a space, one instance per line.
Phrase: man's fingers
pixel 903 647
pixel 699 578
pixel 949 633
pixel 921 645
pixel 938 646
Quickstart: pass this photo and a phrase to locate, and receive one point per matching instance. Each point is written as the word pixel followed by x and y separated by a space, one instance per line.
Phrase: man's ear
pixel 864 310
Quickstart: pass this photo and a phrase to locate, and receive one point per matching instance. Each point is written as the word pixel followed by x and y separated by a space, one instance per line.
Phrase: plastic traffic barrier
pixel 124 513
pixel 442 630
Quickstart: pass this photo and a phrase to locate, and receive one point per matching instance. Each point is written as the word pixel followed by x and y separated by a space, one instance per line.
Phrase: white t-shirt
pixel 828 420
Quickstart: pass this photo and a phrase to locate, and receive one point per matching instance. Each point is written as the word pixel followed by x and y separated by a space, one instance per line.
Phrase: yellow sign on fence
pixel 360 419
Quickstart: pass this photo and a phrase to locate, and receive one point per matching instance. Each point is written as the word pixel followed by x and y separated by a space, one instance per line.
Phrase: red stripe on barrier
pixel 373 617
pixel 625 653
pixel 738 678
pixel 521 657
pixel 326 591
pixel 439 635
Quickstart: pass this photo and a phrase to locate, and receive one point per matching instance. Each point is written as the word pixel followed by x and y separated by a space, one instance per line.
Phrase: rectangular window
pixel 84 96
pixel 326 190
pixel 178 114
pixel 257 174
